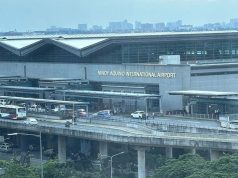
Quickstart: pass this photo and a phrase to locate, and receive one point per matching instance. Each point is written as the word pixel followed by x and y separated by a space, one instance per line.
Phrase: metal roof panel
pixel 80 43
pixel 19 44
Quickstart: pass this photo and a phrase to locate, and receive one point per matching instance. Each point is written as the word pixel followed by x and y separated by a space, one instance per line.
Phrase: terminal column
pixel 61 149
pixel 169 152
pixel 103 148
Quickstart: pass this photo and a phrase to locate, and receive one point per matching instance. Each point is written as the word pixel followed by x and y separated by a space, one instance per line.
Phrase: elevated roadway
pixel 134 133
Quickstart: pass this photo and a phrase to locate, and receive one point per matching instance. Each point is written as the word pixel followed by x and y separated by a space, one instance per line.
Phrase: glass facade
pixel 189 51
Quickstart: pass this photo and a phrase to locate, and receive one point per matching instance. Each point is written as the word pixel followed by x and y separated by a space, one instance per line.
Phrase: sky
pixel 32 15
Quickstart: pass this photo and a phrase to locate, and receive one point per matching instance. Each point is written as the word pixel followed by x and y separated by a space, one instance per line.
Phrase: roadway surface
pixel 135 131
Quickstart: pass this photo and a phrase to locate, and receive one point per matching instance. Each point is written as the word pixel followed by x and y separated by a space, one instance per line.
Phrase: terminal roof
pixel 44 100
pixel 202 93
pixel 86 44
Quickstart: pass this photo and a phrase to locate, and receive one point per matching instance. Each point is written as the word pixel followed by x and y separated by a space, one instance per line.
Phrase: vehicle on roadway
pixel 234 124
pixel 12 112
pixel 103 114
pixel 30 121
pixel 138 115
pixel 82 113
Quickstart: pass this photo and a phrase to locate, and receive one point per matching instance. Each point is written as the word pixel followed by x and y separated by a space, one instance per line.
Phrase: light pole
pixel 111 159
pixel 34 135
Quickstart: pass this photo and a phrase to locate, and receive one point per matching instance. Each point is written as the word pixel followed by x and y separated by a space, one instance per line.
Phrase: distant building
pixel 82 27
pixel 123 26
pixel 185 28
pixel 174 25
pixel 234 23
pixel 147 27
pixel 137 25
pixel 97 28
pixel 160 26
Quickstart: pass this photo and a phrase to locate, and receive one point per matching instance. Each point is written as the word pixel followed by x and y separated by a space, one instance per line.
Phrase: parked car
pixel 30 121
pixel 5 148
pixel 103 114
pixel 36 108
pixel 6 144
pixel 59 108
pixel 138 115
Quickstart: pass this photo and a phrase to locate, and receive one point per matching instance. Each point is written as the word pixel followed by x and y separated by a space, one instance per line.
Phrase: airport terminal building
pixel 126 71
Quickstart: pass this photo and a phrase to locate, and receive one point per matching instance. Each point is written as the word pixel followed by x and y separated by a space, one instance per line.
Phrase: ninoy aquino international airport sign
pixel 116 73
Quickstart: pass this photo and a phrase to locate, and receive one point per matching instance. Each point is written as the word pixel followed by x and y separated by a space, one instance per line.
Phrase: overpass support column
pixel 23 143
pixel 85 147
pixel 103 148
pixel 169 152
pixel 141 161
pixel 193 151
pixel 61 149
pixel 214 155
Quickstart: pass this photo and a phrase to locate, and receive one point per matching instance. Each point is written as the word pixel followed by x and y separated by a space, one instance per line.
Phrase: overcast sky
pixel 29 15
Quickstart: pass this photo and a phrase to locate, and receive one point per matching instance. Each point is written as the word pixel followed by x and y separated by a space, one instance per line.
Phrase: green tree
pixel 193 166
pixel 182 167
pixel 15 170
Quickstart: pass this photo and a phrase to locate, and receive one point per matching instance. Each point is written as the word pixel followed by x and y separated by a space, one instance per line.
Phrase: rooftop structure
pixel 193 47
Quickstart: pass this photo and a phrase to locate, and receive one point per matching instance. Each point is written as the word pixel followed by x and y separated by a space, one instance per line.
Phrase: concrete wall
pixel 179 80
pixel 215 82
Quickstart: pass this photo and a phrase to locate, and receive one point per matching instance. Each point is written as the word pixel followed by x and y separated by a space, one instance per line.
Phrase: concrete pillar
pixel 85 147
pixel 141 161
pixel 169 152
pixel 61 149
pixel 193 151
pixel 214 155
pixel 103 148
pixel 23 143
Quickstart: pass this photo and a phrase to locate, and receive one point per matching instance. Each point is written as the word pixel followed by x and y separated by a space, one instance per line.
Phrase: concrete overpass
pixel 137 135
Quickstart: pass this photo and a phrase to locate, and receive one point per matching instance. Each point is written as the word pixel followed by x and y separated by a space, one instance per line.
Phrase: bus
pixel 12 112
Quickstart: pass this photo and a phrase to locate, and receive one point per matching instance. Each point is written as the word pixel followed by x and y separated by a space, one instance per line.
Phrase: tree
pixel 15 170
pixel 182 167
pixel 193 166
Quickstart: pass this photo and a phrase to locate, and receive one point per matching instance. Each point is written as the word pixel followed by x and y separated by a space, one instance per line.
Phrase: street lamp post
pixel 34 135
pixel 111 159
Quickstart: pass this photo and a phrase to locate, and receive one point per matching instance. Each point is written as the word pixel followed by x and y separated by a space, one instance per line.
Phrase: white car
pixel 138 115
pixel 30 121
pixel 234 125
